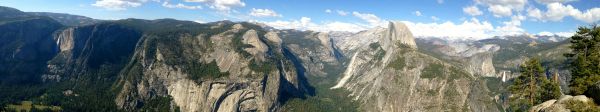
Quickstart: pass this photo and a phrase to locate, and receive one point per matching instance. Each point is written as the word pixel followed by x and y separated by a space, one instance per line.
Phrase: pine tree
pixel 550 89
pixel 532 86
pixel 584 59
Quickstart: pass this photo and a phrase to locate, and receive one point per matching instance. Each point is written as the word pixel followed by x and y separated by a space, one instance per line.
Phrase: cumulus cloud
pixel 565 34
pixel 472 10
pixel 327 10
pixel 305 23
pixel 180 5
pixel 502 8
pixel 512 27
pixel 118 4
pixel 590 16
pixel 372 19
pixel 472 28
pixel 535 13
pixel 553 1
pixel 468 29
pixel 221 5
pixel 557 11
pixel 264 13
pixel 417 13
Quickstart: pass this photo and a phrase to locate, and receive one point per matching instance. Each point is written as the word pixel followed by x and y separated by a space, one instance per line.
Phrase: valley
pixel 64 62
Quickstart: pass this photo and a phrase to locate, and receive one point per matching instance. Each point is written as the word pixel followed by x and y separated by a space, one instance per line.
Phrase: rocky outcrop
pixel 274 37
pixel 315 51
pixel 348 43
pixel 398 33
pixel 481 64
pixel 566 103
pixel 247 86
pixel 391 75
pixel 258 48
pixel 65 40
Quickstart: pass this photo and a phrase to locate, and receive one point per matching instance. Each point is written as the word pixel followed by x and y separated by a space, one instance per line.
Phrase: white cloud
pixel 565 34
pixel 545 33
pixel 264 13
pixel 512 27
pixel 221 5
pixel 327 10
pixel 468 29
pixel 535 13
pixel 562 34
pixel 305 23
pixel 341 26
pixel 370 18
pixel 342 13
pixel 553 1
pixel 503 8
pixel 417 13
pixel 500 10
pixel 557 11
pixel 180 5
pixel 435 18
pixel 118 4
pixel 472 10
pixel 590 16
pixel 512 4
pixel 472 28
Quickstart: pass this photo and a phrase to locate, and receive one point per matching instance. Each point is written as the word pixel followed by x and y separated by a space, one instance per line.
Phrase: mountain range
pixel 76 63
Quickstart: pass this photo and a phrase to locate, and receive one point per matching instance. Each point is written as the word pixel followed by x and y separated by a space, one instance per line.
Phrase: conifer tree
pixel 532 86
pixel 584 59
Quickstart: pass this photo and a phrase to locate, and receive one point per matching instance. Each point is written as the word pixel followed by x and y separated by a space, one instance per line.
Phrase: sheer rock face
pixel 243 90
pixel 349 42
pixel 396 77
pixel 315 51
pixel 145 67
pixel 328 51
pixel 481 64
pixel 398 33
pixel 273 36
pixel 65 40
pixel 258 48
pixel 25 46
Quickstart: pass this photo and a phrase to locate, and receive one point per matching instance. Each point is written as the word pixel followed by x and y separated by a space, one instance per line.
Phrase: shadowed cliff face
pixel 141 65
pixel 221 66
pixel 25 46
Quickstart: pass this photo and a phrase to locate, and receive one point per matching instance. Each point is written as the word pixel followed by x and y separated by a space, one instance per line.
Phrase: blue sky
pixel 439 18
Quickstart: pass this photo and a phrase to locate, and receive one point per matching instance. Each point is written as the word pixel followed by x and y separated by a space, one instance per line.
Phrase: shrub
pixel 432 71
